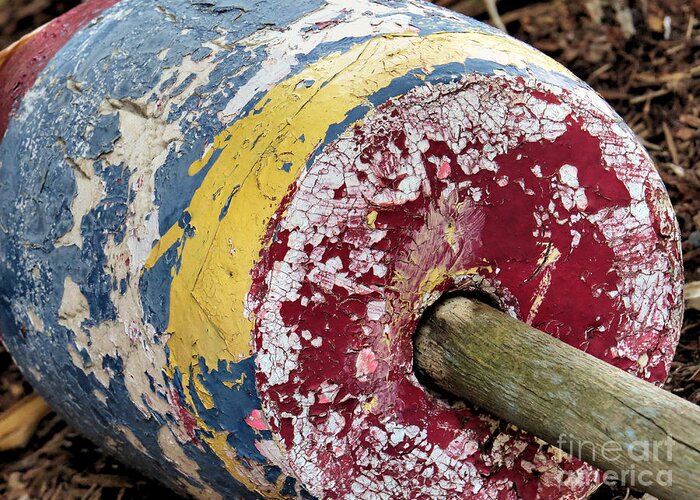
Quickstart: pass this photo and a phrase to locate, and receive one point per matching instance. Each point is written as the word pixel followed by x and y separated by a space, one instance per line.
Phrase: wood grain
pixel 615 421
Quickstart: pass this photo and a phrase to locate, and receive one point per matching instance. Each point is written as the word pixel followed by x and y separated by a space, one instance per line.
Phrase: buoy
pixel 221 223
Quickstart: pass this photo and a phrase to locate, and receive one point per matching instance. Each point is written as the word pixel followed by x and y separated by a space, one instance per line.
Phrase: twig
pixel 495 16
pixel 671 143
pixel 648 96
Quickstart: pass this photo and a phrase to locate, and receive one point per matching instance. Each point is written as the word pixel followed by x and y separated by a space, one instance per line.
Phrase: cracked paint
pixel 230 225
pixel 414 234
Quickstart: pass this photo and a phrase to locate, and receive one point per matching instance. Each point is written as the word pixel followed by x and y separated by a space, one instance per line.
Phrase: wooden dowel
pixel 646 436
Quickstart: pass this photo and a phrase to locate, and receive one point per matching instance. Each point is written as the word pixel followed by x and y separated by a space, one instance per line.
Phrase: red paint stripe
pixel 21 64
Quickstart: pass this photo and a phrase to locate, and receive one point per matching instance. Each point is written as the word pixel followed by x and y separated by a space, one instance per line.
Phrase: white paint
pixel 360 18
pixel 568 175
pixel 90 190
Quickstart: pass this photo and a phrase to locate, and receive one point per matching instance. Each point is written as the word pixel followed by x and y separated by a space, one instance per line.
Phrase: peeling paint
pixel 218 237
pixel 318 230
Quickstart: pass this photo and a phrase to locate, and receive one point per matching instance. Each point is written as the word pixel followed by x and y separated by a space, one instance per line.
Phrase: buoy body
pixel 220 224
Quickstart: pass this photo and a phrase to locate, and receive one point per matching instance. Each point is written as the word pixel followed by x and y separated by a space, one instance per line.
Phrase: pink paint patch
pixel 256 420
pixel 444 170
pixel 322 25
pixel 366 363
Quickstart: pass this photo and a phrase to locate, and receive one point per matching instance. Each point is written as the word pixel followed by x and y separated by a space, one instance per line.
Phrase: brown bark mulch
pixel 643 56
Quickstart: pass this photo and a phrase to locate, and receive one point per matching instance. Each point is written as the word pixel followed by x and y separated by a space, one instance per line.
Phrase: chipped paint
pixel 231 225
pixel 22 62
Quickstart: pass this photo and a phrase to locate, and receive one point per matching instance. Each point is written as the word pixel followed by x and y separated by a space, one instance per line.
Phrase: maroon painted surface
pixel 497 233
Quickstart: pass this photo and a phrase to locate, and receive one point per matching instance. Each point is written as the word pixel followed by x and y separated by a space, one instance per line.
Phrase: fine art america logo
pixel 638 452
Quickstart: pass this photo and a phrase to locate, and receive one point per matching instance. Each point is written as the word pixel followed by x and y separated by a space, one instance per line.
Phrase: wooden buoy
pixel 220 224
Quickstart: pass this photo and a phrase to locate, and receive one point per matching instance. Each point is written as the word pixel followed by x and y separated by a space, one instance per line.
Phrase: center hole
pixel 424 378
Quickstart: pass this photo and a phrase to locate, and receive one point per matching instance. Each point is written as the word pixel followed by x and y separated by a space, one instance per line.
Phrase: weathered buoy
pixel 220 223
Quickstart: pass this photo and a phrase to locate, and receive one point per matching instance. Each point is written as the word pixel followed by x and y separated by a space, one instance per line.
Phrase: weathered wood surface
pixel 564 396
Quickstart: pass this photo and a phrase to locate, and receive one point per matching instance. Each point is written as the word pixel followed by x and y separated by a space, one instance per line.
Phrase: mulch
pixel 643 56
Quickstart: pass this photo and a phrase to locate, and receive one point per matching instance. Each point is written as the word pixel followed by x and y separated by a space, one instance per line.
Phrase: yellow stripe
pixel 207 296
